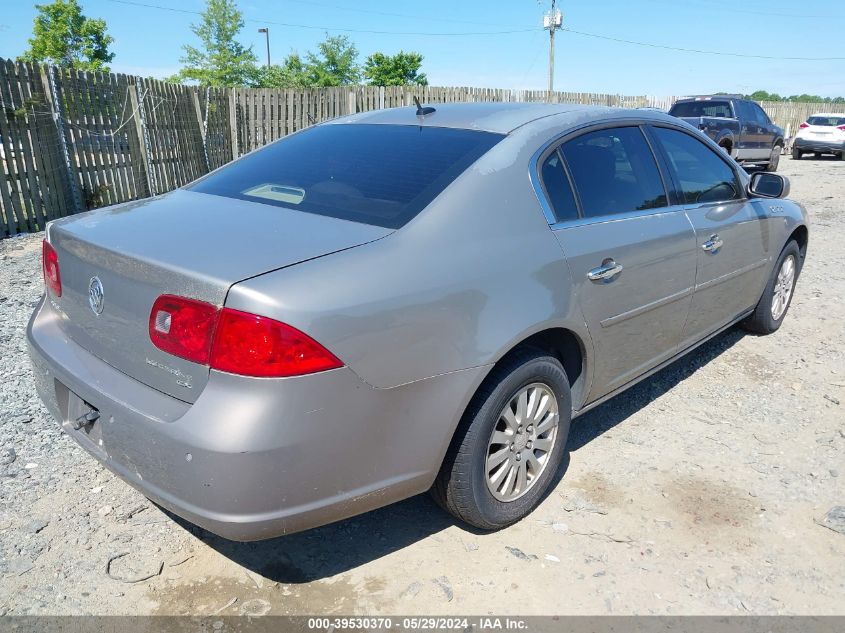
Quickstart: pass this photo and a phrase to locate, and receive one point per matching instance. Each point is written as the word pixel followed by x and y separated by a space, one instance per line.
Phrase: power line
pixel 734 9
pixel 529 30
pixel 700 51
pixel 327 28
pixel 395 15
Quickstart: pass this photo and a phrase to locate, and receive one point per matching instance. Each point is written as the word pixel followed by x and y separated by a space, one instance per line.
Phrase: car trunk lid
pixel 184 243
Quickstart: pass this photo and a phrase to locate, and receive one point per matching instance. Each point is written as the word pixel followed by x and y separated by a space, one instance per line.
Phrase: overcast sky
pixel 512 49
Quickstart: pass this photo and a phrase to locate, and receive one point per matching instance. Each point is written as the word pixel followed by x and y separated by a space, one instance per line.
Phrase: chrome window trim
pixel 618 217
pixel 555 142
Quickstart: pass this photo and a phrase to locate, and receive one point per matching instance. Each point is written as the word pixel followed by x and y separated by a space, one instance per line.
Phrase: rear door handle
pixel 608 270
pixel 713 244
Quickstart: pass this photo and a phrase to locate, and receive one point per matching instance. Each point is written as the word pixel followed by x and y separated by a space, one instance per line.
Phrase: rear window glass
pixel 374 174
pixel 614 172
pixel 691 109
pixel 827 121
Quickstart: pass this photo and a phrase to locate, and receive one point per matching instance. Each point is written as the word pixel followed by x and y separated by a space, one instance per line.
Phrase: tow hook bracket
pixel 85 419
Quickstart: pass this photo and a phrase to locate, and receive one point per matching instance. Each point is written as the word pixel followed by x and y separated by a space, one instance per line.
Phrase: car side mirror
pixel 766 185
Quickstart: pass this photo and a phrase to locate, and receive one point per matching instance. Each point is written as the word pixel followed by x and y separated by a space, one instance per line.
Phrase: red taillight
pixel 183 327
pixel 253 345
pixel 840 127
pixel 233 341
pixel 50 268
pixel 804 126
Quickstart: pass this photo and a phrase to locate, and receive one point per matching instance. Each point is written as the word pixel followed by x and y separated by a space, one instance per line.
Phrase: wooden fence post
pixel 202 122
pixel 54 89
pixel 147 178
pixel 233 122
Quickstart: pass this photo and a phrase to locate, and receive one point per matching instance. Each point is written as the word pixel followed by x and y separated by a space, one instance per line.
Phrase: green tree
pixel 401 69
pixel 61 35
pixel 290 74
pixel 335 63
pixel 762 95
pixel 221 60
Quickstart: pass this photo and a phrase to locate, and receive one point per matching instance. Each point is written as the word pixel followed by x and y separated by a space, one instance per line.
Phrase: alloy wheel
pixel 522 441
pixel 784 283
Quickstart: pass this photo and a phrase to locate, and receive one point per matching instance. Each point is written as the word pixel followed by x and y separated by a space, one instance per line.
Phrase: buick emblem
pixel 95 295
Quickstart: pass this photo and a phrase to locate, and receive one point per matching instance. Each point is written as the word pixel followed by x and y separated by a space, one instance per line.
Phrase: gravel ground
pixel 702 490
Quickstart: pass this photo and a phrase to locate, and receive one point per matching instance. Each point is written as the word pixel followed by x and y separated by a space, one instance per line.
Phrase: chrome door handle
pixel 608 270
pixel 713 244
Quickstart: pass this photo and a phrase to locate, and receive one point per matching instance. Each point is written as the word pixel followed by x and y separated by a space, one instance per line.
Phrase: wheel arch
pixel 726 141
pixel 570 346
pixel 801 234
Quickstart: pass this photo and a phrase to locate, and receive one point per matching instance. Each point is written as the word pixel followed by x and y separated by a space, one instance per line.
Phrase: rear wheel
pixel 773 305
pixel 509 444
pixel 796 153
pixel 774 158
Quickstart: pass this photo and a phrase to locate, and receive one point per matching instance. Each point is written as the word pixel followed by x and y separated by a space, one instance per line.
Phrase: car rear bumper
pixel 253 458
pixel 816 145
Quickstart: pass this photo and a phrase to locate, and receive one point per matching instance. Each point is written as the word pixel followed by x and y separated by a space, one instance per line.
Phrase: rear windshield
pixel 691 109
pixel 375 174
pixel 827 121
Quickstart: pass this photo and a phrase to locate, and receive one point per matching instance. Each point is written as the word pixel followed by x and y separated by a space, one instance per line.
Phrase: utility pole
pixel 552 21
pixel 266 32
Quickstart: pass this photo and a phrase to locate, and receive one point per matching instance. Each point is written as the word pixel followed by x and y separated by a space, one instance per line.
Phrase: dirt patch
pixel 599 489
pixel 704 505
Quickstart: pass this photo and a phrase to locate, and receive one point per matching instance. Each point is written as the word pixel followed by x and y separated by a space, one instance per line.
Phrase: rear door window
pixel 701 173
pixel 614 171
pixel 760 115
pixel 558 189
pixel 375 174
pixel 746 113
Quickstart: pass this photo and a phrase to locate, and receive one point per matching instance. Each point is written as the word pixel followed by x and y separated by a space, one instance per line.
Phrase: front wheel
pixel 510 443
pixel 773 305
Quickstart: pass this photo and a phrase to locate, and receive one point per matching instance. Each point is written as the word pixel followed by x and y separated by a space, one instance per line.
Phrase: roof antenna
pixel 422 111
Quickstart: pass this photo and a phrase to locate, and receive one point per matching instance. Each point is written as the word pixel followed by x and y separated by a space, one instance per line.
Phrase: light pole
pixel 266 32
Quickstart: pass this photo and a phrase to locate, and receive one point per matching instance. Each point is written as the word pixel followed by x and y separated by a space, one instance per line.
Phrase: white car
pixel 821 134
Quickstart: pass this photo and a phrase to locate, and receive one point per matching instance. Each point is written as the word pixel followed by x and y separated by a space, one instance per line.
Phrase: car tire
pixel 797 154
pixel 465 486
pixel 774 304
pixel 774 158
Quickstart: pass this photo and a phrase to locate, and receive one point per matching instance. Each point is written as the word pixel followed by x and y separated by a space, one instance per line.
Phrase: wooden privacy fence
pixel 71 141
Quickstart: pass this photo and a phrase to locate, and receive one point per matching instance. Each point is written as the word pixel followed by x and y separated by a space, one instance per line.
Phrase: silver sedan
pixel 400 301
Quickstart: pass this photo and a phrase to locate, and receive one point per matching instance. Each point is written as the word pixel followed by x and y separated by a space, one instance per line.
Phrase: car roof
pixel 712 98
pixel 498 117
pixel 828 114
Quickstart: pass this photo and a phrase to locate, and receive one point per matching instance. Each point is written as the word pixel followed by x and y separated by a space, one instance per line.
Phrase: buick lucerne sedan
pixel 400 301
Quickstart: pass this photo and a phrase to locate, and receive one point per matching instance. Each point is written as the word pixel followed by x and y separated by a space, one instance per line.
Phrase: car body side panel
pixel 730 279
pixel 477 269
pixel 636 318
